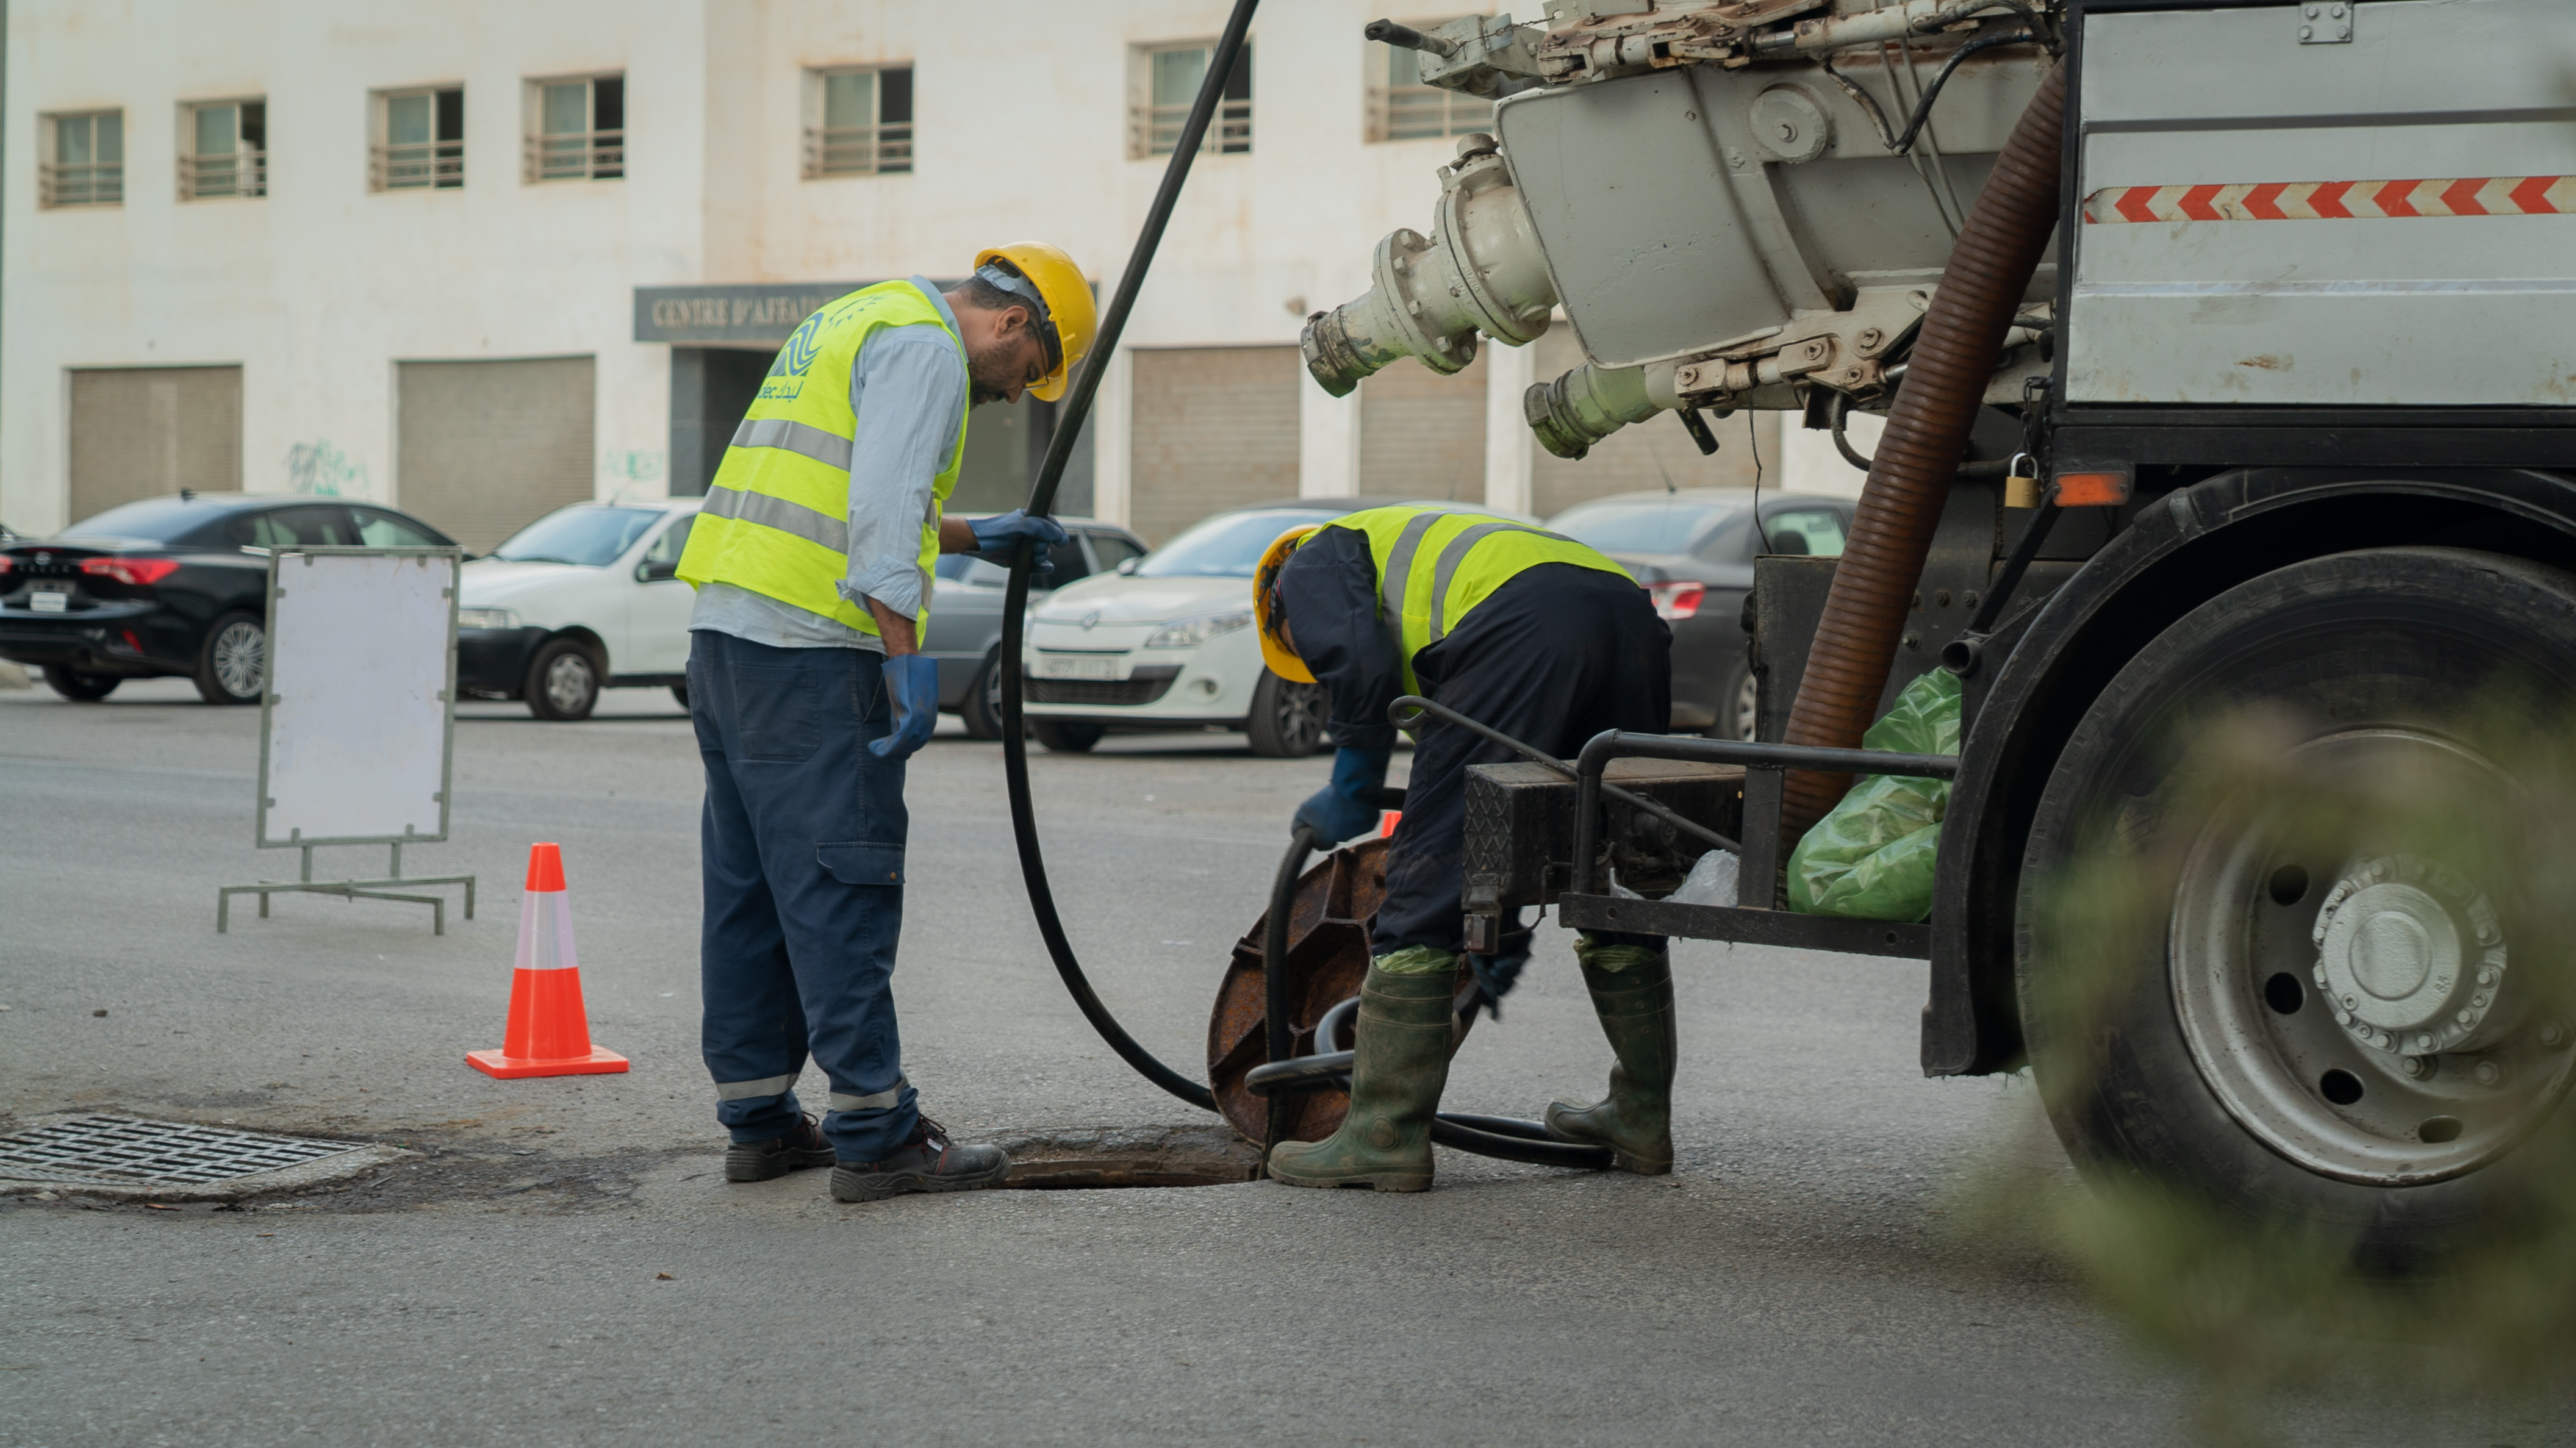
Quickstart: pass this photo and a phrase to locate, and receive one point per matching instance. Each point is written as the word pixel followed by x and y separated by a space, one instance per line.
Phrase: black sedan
pixel 1693 549
pixel 171 585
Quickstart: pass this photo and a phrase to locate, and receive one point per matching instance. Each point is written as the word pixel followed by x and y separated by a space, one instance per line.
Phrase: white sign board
pixel 356 716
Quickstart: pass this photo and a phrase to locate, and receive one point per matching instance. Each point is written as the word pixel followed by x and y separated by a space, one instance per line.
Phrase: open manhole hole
pixel 1066 1158
pixel 126 1156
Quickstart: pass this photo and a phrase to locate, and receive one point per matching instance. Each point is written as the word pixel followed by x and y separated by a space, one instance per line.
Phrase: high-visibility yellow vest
pixel 777 516
pixel 1434 566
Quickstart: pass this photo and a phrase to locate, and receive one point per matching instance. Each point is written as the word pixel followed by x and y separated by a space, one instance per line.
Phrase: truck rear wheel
pixel 2342 1023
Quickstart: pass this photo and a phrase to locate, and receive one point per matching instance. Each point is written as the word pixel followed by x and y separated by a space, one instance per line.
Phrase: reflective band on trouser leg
pixel 765 1086
pixel 787 517
pixel 795 437
pixel 874 1101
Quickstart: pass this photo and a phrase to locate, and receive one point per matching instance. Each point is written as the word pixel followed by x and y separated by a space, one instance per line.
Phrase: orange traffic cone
pixel 548 1034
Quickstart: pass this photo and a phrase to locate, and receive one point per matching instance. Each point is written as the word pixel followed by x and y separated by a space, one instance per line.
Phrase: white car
pixel 581 599
pixel 1166 641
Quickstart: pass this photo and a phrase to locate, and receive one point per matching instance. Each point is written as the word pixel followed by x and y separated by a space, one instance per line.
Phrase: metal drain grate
pixel 121 1149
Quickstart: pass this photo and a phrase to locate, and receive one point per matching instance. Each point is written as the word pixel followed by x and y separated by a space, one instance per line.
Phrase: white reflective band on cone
pixel 545 931
pixel 765 1086
pixel 879 1101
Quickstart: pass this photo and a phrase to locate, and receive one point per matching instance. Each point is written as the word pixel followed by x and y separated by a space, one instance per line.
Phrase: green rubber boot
pixel 1632 992
pixel 1400 1044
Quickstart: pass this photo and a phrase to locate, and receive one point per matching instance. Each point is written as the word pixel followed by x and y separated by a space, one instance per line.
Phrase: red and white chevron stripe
pixel 2336 200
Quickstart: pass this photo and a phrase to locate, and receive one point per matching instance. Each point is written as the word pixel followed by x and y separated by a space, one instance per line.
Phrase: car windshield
pixel 588 534
pixel 1640 525
pixel 161 520
pixel 1229 545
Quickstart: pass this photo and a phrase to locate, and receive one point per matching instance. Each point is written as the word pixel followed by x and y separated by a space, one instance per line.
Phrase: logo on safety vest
pixel 802 348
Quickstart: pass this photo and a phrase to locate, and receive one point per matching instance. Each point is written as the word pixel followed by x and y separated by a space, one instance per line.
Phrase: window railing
pixel 1415 112
pixel 80 183
pixel 858 150
pixel 414 165
pixel 1156 130
pixel 242 174
pixel 577 155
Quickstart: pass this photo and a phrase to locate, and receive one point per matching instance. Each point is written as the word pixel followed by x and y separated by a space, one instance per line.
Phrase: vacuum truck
pixel 2226 351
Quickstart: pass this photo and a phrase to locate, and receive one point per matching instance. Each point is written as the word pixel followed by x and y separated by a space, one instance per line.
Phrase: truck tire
pixel 78 687
pixel 232 665
pixel 1066 736
pixel 1288 719
pixel 2207 1043
pixel 563 680
pixel 981 709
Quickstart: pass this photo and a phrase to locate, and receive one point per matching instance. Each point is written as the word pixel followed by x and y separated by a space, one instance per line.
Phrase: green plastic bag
pixel 1871 856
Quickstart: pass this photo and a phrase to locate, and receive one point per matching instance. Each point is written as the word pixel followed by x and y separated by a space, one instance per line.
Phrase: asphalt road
pixel 562 1263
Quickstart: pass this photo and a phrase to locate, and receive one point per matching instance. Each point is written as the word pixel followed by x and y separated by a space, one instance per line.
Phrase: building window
pixel 1402 108
pixel 85 160
pixel 579 130
pixel 1168 82
pixel 226 151
pixel 420 140
pixel 860 122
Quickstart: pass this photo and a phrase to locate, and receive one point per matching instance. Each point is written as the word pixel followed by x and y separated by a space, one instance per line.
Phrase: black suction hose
pixel 1015 602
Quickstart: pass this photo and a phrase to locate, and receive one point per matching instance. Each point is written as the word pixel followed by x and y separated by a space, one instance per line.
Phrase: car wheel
pixel 982 708
pixel 1288 718
pixel 1739 705
pixel 78 687
pixel 2328 1015
pixel 1066 736
pixel 681 693
pixel 563 680
pixel 233 664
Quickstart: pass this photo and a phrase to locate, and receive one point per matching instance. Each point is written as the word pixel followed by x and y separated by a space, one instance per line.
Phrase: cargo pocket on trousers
pixel 778 719
pixel 860 863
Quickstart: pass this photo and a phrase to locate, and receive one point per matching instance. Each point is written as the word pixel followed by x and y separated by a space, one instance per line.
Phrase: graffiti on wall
pixel 324 471
pixel 633 465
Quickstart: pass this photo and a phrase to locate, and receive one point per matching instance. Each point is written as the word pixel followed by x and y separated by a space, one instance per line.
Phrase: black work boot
pixel 758 1161
pixel 1400 1044
pixel 927 1162
pixel 1635 1003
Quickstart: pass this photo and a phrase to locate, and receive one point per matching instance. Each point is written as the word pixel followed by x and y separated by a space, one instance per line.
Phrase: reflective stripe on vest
pixel 1472 554
pixel 776 516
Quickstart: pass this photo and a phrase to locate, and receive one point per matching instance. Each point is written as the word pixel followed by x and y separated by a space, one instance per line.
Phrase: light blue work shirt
pixel 908 393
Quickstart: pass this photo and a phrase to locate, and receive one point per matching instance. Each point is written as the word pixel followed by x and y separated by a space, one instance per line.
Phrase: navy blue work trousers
pixel 802 856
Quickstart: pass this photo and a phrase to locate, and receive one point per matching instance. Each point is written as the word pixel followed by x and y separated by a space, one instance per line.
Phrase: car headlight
pixel 487 618
pixel 1189 633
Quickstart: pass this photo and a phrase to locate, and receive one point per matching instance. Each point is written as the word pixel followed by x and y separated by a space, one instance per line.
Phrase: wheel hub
pixel 2410 954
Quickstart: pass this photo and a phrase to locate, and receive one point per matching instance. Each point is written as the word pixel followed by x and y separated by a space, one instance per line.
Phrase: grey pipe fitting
pixel 1480 271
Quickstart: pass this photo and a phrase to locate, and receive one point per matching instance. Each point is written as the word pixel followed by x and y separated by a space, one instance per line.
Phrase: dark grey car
pixel 1693 549
pixel 966 616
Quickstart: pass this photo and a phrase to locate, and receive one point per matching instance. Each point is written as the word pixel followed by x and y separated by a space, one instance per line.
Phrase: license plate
pixel 1079 666
pixel 50 600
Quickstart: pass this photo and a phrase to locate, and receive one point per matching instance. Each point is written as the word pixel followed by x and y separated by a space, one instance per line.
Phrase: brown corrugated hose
pixel 1927 435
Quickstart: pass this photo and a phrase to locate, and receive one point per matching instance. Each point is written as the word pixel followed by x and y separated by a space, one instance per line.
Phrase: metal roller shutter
pixel 1646 455
pixel 485 448
pixel 1215 428
pixel 1422 435
pixel 140 432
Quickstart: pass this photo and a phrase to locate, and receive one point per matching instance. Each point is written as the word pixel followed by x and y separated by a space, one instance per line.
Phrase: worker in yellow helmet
pixel 812 558
pixel 1528 633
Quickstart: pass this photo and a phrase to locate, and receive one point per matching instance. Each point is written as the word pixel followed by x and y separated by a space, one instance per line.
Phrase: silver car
pixel 966 615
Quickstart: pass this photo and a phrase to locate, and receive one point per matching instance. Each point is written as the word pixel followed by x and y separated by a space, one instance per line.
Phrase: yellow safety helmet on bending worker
pixel 1067 321
pixel 1266 621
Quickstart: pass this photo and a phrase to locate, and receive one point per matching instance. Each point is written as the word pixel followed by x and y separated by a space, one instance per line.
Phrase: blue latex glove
pixel 1339 811
pixel 995 538
pixel 912 683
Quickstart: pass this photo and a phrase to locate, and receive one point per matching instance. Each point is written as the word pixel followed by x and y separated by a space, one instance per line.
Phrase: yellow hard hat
pixel 1066 318
pixel 1282 660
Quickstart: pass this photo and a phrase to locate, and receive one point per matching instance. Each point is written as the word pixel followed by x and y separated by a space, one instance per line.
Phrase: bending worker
pixel 1528 633
pixel 812 558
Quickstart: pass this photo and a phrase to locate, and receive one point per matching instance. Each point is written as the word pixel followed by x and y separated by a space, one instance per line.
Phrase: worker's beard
pixel 991 373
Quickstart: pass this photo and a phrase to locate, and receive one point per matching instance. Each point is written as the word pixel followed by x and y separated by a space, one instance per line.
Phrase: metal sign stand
pixel 442 562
